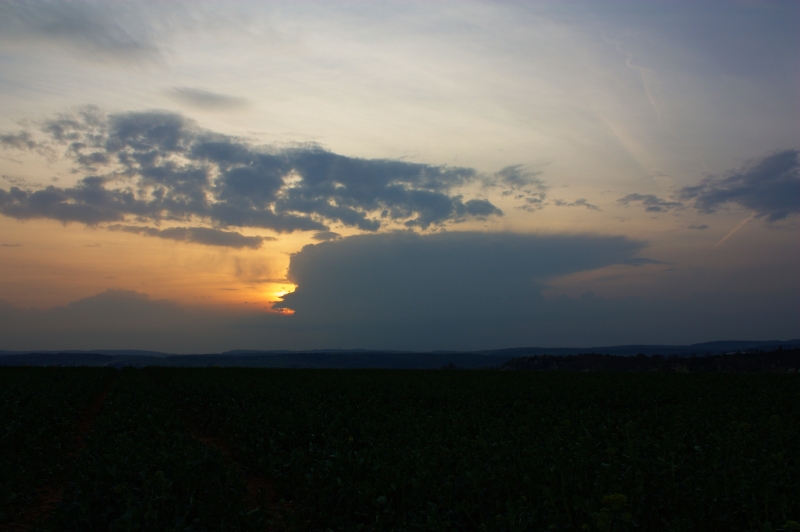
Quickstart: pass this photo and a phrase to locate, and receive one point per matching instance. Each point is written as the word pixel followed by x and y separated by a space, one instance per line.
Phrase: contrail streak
pixel 726 237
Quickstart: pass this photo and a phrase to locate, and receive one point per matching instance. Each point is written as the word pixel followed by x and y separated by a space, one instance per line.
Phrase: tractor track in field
pixel 50 493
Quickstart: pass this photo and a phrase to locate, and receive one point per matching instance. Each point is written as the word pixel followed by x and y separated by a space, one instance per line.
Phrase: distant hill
pixel 342 360
pixel 360 358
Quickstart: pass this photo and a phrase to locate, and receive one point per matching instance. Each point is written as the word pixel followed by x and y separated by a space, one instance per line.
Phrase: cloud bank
pixel 156 166
pixel 122 319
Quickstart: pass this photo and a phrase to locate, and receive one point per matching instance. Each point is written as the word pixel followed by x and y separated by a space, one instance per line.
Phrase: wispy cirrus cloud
pixel 156 166
pixel 93 30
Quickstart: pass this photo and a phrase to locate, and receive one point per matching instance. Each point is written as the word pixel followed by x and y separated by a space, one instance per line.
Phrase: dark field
pixel 267 449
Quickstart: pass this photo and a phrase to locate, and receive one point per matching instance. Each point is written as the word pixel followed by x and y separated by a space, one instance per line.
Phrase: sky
pixel 196 177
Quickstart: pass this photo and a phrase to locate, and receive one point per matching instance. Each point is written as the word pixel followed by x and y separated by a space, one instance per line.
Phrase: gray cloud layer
pixel 197 235
pixel 153 166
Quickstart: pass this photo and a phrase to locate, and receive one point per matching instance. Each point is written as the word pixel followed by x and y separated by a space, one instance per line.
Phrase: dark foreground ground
pixel 181 449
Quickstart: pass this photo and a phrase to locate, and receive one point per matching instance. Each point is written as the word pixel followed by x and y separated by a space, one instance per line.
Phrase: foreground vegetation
pixel 244 449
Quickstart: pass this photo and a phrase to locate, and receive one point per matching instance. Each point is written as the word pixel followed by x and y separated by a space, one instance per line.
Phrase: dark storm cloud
pixel 452 275
pixel 86 27
pixel 203 99
pixel 152 166
pixel 650 202
pixel 700 227
pixel 768 186
pixel 197 235
pixel 580 202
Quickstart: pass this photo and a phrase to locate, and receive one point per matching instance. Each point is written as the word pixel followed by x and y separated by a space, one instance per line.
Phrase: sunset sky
pixel 207 176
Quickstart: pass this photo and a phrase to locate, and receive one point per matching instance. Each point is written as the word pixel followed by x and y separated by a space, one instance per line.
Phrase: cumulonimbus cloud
pixel 156 166
pixel 406 276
